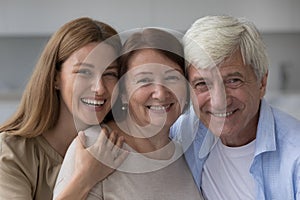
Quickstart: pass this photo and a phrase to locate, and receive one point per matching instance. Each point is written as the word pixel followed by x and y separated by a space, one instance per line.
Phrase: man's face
pixel 226 99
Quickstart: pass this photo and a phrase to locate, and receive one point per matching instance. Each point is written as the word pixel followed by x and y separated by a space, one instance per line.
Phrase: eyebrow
pixel 168 71
pixel 93 66
pixel 84 64
pixel 172 70
pixel 143 73
pixel 227 75
pixel 197 79
pixel 112 67
pixel 234 74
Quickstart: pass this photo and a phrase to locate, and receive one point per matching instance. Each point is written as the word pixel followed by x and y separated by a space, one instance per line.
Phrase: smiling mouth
pixel 160 108
pixel 93 102
pixel 225 114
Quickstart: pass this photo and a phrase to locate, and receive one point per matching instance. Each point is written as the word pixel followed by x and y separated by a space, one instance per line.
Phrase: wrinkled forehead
pixel 211 72
pixel 229 64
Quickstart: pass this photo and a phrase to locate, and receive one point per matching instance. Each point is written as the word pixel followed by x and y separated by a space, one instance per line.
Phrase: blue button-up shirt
pixel 276 164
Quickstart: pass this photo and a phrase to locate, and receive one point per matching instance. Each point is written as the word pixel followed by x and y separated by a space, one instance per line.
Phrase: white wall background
pixel 44 17
pixel 25 27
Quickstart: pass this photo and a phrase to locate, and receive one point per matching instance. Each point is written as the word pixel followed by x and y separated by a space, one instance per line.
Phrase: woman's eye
pixel 172 78
pixel 84 72
pixel 144 81
pixel 110 75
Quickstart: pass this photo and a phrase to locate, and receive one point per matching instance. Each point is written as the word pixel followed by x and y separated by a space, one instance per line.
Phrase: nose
pixel 160 92
pixel 219 98
pixel 98 86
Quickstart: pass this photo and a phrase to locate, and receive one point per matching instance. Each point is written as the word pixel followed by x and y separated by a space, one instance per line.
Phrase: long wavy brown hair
pixel 39 107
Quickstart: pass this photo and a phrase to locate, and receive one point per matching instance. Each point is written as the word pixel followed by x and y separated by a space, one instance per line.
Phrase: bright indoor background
pixel 25 27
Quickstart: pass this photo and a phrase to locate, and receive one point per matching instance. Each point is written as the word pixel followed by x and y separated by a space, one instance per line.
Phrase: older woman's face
pixel 86 83
pixel 155 89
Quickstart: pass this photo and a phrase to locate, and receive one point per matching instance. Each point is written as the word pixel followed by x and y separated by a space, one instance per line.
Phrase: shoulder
pixel 25 151
pixel 285 120
pixel 18 160
pixel 286 125
pixel 15 144
pixel 26 164
pixel 18 152
pixel 287 129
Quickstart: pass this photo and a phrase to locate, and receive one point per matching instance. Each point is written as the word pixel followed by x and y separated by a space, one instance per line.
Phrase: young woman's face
pixel 155 89
pixel 86 83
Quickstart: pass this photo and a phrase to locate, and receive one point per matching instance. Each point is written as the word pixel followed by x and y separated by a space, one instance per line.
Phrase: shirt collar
pixel 209 141
pixel 265 137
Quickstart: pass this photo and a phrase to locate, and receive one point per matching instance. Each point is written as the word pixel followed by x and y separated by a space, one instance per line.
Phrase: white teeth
pixel 222 114
pixel 93 102
pixel 159 108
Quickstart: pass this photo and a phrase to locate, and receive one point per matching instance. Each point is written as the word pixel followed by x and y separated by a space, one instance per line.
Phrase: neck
pixel 237 141
pixel 62 134
pixel 246 136
pixel 146 140
pixel 242 137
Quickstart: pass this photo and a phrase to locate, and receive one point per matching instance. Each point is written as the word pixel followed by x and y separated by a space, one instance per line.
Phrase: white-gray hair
pixel 212 39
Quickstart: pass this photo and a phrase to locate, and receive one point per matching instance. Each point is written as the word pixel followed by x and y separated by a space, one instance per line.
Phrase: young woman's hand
pixel 93 164
pixel 98 161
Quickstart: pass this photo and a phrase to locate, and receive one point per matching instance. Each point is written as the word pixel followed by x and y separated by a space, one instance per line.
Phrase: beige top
pixel 28 167
pixel 138 177
pixel 174 182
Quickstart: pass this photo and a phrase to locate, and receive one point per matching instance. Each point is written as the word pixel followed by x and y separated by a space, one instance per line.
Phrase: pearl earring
pixel 124 106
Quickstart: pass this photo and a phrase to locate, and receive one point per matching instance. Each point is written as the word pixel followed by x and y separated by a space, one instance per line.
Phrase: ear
pixel 57 81
pixel 263 85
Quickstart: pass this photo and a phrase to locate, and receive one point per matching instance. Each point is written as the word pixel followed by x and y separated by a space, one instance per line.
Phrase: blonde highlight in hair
pixel 39 107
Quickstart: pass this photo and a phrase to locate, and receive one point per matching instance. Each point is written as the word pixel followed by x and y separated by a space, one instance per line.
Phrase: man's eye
pixel 201 86
pixel 233 82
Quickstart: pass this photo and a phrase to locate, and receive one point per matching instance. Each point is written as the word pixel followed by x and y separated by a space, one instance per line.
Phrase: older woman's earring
pixel 124 106
pixel 56 87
